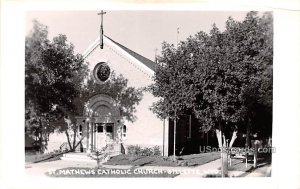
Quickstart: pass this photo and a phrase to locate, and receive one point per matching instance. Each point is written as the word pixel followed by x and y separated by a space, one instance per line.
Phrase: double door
pixel 104 134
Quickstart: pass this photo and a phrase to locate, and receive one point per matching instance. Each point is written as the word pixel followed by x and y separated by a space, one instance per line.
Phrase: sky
pixel 141 31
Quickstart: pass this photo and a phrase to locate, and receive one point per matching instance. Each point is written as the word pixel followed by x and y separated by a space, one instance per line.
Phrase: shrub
pixel 134 150
pixel 147 152
pixel 130 149
pixel 100 155
pixel 137 150
pixel 156 151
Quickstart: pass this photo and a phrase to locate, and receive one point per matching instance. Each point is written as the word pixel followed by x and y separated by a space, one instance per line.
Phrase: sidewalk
pixel 264 171
pixel 39 169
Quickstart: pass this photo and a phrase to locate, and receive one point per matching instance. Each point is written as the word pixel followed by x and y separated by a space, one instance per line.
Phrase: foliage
pixel 53 78
pixel 57 86
pixel 156 151
pixel 223 78
pixel 116 87
pixel 147 151
pixel 100 155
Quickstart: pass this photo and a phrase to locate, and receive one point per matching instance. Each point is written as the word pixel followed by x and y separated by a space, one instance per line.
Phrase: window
pixel 99 128
pixel 101 72
pixel 124 131
pixel 109 128
pixel 80 130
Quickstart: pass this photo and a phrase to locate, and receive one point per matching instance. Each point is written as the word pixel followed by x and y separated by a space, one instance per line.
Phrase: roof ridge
pixel 147 62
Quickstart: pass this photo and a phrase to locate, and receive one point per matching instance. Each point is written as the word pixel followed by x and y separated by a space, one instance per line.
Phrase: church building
pixel 101 123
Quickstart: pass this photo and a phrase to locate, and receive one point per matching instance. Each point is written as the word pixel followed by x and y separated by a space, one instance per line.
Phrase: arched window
pixel 80 130
pixel 124 131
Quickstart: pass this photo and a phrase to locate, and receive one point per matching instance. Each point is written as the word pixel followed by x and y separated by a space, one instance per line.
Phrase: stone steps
pixel 82 157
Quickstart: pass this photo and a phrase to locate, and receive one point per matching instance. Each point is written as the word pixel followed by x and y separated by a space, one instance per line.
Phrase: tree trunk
pixel 224 154
pixel 78 142
pixel 233 138
pixel 174 145
pixel 69 142
pixel 218 133
pixel 74 138
pixel 224 157
pixel 41 136
pixel 248 132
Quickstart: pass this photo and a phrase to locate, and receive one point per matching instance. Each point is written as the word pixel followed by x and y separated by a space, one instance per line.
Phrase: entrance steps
pixel 77 156
pixel 83 157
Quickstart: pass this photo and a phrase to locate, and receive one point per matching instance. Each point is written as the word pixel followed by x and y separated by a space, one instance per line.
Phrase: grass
pixel 37 157
pixel 75 172
pixel 187 160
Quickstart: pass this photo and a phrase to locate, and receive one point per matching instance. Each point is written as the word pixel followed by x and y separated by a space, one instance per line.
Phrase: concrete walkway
pixel 264 171
pixel 40 169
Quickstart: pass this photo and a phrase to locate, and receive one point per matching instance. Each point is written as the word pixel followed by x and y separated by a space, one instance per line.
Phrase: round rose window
pixel 101 72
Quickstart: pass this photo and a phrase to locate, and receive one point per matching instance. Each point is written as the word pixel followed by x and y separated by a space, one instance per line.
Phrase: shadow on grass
pixel 187 160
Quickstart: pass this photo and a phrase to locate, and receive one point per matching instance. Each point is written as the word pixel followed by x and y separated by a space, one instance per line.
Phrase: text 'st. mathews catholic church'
pixel 101 122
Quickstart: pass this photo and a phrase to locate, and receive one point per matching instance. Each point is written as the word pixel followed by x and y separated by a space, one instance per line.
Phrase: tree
pixel 57 87
pixel 116 87
pixel 54 76
pixel 223 78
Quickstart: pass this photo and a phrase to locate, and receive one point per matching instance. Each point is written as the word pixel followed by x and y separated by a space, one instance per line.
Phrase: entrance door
pixel 104 134
pixel 100 136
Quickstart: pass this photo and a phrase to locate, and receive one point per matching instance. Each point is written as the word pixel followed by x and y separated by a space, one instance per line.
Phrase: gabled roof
pixel 130 53
pixel 149 63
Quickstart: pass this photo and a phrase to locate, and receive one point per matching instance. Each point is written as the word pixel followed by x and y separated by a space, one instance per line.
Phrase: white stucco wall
pixel 147 130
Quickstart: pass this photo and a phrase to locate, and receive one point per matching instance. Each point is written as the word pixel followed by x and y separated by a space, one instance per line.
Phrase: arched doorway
pixel 102 124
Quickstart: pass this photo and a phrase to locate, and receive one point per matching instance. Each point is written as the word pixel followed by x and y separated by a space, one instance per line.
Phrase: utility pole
pixel 177 37
pixel 155 55
pixel 174 145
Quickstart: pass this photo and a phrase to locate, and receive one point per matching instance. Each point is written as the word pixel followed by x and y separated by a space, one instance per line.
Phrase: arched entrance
pixel 102 124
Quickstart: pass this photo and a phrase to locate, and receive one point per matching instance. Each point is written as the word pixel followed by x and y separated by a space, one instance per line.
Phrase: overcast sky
pixel 141 31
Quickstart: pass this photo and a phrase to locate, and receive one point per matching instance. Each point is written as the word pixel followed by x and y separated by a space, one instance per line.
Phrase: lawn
pixel 186 160
pixel 75 172
pixel 37 157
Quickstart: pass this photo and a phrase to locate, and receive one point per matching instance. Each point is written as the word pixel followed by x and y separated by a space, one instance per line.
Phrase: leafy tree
pixel 116 87
pixel 223 78
pixel 57 87
pixel 53 77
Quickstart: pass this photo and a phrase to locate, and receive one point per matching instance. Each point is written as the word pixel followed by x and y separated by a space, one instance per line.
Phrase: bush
pixel 139 151
pixel 100 155
pixel 147 152
pixel 156 151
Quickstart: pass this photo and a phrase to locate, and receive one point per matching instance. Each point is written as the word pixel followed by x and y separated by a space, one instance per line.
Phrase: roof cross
pixel 101 28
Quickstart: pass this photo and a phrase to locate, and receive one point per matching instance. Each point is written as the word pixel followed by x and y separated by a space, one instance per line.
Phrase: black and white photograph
pixel 147 94
pixel 150 94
